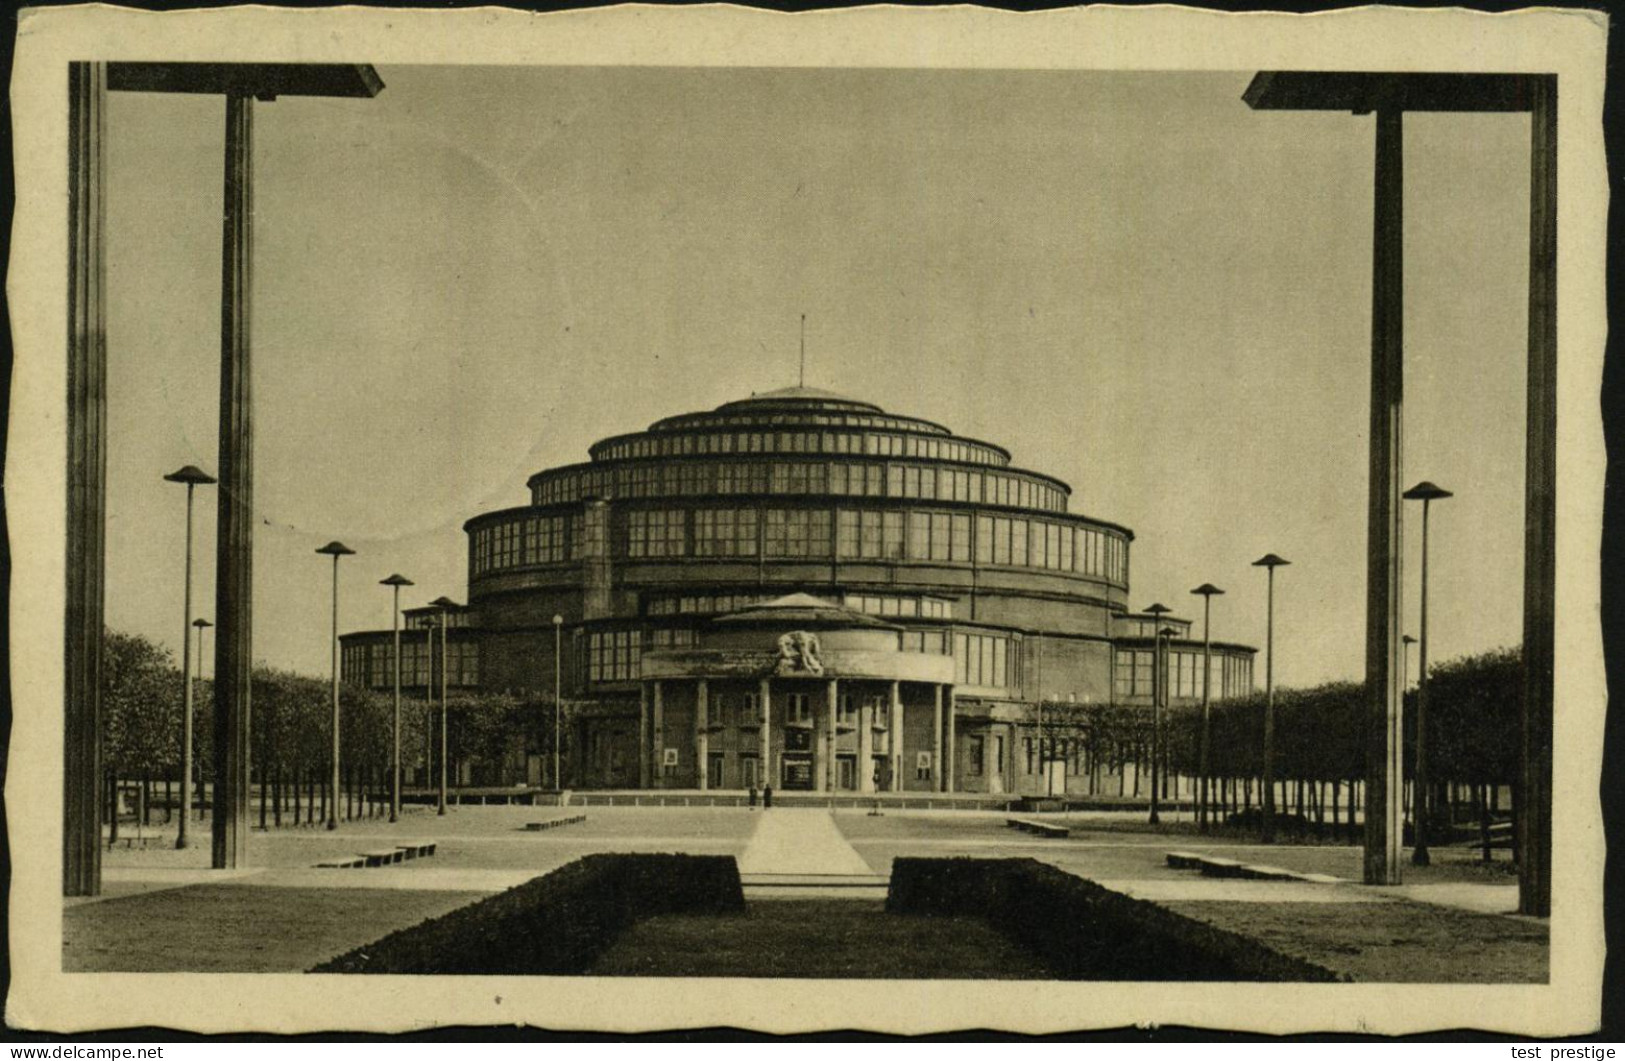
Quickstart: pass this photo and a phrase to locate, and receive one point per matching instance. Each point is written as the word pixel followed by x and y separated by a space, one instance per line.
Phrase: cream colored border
pixel 1570 43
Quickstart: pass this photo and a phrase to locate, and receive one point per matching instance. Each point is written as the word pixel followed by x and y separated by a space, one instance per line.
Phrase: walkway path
pixel 800 854
pixel 800 841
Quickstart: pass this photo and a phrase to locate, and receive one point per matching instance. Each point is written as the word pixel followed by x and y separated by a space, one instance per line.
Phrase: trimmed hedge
pixel 1083 931
pixel 555 925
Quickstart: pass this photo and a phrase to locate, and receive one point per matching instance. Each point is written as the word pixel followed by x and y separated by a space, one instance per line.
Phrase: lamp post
pixel 193 478
pixel 1269 562
pixel 428 701
pixel 1404 682
pixel 200 625
pixel 1166 636
pixel 1156 610
pixel 1427 493
pixel 335 550
pixel 1207 591
pixel 558 627
pixel 395 582
pixel 445 604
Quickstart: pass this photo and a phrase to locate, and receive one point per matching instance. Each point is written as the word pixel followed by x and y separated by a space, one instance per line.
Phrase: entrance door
pixel 713 774
pixel 747 771
pixel 796 773
pixel 995 768
pixel 1055 782
pixel 846 772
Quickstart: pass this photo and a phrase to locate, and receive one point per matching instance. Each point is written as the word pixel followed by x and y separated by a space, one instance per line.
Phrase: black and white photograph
pixel 902 520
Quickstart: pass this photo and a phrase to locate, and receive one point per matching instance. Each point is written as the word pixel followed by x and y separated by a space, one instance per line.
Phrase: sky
pixel 1130 280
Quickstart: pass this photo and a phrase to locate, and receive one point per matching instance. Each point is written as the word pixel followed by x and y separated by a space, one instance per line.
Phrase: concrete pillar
pixel 1383 649
pixel 702 738
pixel 764 745
pixel 86 482
pixel 951 745
pixel 645 752
pixel 831 703
pixel 866 746
pixel 658 756
pixel 894 725
pixel 234 553
pixel 594 551
pixel 939 777
pixel 1540 510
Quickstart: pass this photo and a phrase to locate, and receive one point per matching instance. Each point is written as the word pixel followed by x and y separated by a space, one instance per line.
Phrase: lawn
pixel 818 939
pixel 217 928
pixel 1390 942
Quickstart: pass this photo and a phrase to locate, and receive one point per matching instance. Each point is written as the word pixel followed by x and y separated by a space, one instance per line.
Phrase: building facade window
pixel 907 607
pixel 653 533
pixel 613 656
pixel 796 533
pixel 725 532
pixel 932 641
pixel 983 659
pixel 856 478
pixel 673 638
pixel 1132 673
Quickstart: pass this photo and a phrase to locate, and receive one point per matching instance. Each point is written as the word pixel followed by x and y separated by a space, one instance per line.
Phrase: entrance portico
pixel 799 693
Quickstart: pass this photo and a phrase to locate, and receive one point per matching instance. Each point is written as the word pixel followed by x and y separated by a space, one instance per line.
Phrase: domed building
pixel 807 590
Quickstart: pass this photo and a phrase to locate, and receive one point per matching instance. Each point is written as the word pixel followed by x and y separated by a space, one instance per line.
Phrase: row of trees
pixel 1474 706
pixel 291 731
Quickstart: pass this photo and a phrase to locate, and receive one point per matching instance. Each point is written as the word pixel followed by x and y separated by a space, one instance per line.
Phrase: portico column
pixel 939 774
pixel 644 751
pixel 831 775
pixel 948 752
pixel 895 726
pixel 659 738
pixel 702 739
pixel 764 744
pixel 866 746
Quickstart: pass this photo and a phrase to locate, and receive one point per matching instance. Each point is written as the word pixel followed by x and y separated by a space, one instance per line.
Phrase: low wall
pixel 555 925
pixel 1083 931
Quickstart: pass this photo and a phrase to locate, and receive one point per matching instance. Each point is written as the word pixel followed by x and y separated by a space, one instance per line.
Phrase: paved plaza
pixel 164 910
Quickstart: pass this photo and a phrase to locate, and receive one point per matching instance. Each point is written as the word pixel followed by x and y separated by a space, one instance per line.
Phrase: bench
pixel 1039 828
pixel 416 849
pixel 1184 860
pixel 553 823
pixel 342 863
pixel 383 858
pixel 1222 867
pixel 1046 829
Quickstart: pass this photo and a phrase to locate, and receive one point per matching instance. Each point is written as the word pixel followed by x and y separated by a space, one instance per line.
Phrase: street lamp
pixel 1404 683
pixel 1157 611
pixel 200 624
pixel 335 550
pixel 1207 591
pixel 395 582
pixel 428 702
pixel 1166 636
pixel 445 604
pixel 558 627
pixel 1426 493
pixel 1269 562
pixel 193 478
